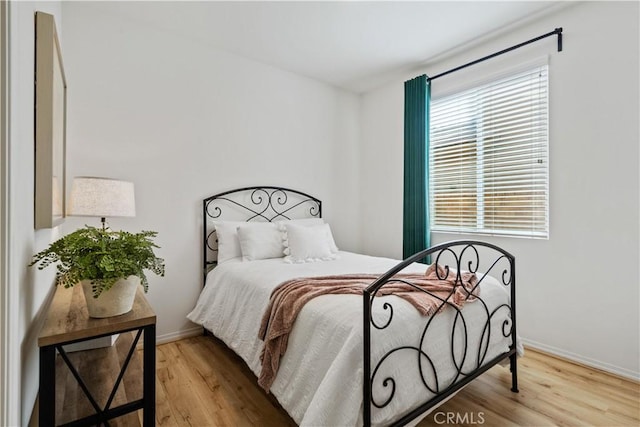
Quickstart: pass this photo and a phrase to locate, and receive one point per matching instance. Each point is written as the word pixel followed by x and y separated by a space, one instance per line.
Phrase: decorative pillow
pixel 228 244
pixel 310 222
pixel 307 222
pixel 332 243
pixel 260 241
pixel 307 244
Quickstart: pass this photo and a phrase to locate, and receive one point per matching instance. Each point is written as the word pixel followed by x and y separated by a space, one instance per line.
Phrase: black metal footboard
pixel 484 260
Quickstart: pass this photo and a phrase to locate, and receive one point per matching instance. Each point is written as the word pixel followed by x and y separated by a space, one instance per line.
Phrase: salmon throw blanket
pixel 288 298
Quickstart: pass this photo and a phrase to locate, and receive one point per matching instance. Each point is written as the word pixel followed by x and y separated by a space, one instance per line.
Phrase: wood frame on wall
pixel 50 126
pixel 8 378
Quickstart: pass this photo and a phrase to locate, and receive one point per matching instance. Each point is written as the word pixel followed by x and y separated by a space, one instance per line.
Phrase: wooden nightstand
pixel 68 322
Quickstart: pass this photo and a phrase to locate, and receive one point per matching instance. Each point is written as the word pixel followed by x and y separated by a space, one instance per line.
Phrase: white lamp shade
pixel 101 197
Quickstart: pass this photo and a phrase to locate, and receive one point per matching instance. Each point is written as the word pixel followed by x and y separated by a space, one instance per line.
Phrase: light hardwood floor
pixel 200 382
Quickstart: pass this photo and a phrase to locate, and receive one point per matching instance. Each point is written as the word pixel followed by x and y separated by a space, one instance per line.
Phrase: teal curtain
pixel 416 229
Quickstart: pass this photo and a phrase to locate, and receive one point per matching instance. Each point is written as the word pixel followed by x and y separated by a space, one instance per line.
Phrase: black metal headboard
pixel 266 204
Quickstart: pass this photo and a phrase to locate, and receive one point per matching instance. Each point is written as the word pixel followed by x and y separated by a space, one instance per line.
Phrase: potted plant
pixel 109 265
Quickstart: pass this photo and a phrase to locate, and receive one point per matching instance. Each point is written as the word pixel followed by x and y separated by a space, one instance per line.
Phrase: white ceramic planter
pixel 114 302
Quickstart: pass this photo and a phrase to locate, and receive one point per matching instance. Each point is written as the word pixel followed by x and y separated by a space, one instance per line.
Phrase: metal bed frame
pixel 269 204
pixel 252 204
pixel 466 256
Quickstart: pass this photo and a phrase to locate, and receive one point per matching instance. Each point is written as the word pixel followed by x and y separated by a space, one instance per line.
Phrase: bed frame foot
pixel 514 373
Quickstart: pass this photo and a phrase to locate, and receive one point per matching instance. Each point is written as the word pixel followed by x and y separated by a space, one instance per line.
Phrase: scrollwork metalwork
pixel 264 203
pixel 385 306
pixel 467 362
pixel 249 204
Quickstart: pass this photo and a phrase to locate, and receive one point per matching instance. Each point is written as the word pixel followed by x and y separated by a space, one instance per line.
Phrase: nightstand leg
pixel 149 381
pixel 47 405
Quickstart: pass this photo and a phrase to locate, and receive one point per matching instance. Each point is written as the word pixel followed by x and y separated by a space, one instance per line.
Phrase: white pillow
pixel 310 222
pixel 307 222
pixel 228 243
pixel 260 241
pixel 308 244
pixel 332 243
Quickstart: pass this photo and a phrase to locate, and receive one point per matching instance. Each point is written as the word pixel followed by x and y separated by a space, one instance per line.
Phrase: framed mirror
pixel 50 125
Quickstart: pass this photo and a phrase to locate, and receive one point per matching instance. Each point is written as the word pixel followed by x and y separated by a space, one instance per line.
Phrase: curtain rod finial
pixel 559 31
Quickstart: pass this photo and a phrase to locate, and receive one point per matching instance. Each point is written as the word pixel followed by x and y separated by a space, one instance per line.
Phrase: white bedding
pixel 319 382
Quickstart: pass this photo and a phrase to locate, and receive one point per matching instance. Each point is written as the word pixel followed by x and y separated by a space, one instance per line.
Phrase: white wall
pixel 578 292
pixel 183 121
pixel 29 289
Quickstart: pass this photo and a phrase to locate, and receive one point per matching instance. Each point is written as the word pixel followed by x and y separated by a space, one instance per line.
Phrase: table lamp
pixel 101 197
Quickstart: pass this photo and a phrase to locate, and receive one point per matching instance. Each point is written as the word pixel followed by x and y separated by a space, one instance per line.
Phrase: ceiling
pixel 350 44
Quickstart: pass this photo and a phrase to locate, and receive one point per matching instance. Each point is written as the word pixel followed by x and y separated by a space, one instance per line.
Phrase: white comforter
pixel 319 382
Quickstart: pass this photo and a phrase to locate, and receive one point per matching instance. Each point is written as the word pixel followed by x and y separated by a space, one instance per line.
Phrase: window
pixel 488 158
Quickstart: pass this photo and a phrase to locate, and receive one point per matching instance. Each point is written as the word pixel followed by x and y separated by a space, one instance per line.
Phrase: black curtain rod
pixel 557 31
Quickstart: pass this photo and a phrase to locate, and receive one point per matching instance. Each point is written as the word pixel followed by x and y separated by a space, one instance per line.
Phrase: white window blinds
pixel 488 158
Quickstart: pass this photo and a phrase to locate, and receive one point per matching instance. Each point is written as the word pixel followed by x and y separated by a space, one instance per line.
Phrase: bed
pixel 359 359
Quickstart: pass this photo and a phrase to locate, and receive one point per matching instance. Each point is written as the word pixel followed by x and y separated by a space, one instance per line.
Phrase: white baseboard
pixel 178 335
pixel 623 372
